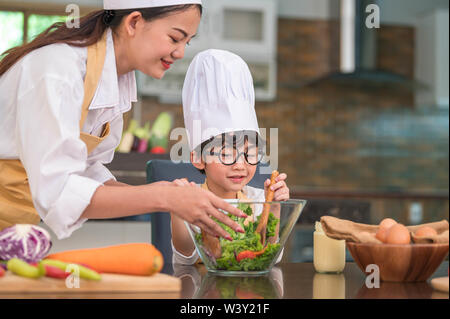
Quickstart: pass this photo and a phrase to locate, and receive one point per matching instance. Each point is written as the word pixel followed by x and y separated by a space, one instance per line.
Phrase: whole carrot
pixel 261 228
pixel 141 259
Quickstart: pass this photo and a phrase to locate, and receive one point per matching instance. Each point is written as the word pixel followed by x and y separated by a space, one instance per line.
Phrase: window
pixel 17 26
pixel 11 29
pixel 37 23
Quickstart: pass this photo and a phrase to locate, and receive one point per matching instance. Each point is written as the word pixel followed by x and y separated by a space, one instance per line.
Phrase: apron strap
pixel 96 59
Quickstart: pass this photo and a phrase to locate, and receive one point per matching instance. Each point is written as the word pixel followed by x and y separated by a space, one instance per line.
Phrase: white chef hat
pixel 218 96
pixel 136 4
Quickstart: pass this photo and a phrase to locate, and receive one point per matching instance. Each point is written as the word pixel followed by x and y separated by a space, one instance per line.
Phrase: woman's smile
pixel 166 64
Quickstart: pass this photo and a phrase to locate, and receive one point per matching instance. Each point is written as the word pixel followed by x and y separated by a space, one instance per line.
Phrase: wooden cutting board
pixel 156 286
pixel 440 283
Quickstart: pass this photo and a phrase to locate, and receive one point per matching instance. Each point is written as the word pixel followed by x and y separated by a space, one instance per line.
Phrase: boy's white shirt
pixel 252 193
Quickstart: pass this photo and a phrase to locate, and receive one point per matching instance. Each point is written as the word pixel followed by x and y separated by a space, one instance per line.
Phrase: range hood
pixel 358 49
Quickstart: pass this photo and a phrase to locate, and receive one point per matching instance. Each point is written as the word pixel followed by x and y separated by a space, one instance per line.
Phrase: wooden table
pixel 300 281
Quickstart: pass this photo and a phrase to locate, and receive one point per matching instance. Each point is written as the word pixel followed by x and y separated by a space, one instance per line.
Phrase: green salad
pixel 245 241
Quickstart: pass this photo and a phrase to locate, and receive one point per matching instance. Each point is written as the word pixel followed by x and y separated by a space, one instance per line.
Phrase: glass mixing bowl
pixel 242 287
pixel 246 255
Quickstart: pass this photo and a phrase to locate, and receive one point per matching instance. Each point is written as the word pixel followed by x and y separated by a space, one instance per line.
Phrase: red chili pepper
pixel 2 272
pixel 249 254
pixel 55 272
pixel 245 254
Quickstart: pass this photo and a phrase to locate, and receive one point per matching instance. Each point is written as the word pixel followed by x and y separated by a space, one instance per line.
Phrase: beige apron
pixel 16 204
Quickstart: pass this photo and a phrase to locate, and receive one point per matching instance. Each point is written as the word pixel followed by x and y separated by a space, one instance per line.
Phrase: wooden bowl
pixel 399 263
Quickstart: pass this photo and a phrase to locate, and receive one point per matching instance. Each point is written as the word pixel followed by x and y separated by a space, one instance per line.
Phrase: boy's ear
pixel 197 160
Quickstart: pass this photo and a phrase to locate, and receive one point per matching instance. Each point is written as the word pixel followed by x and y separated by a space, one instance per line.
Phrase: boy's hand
pixel 281 191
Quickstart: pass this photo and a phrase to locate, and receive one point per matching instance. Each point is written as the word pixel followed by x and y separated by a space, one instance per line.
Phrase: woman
pixel 62 97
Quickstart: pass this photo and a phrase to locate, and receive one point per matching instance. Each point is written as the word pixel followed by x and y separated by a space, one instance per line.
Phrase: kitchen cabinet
pixel 169 89
pixel 247 28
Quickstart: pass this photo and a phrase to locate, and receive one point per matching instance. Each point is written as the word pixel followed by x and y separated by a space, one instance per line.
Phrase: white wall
pixel 392 11
pixel 442 58
pixel 307 9
pixel 425 59
pixel 95 234
pixel 407 12
pixel 88 3
pixel 403 12
pixel 432 52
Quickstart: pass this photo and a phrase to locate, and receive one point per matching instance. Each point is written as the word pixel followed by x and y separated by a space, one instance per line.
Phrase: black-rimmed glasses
pixel 230 155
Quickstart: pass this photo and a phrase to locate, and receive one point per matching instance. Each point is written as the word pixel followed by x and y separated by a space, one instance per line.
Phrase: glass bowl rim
pixel 245 201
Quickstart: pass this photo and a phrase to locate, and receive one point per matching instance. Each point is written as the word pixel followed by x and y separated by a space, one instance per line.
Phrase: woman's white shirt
pixel 41 98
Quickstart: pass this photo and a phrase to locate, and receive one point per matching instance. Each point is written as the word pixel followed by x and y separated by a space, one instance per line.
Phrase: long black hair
pixel 92 27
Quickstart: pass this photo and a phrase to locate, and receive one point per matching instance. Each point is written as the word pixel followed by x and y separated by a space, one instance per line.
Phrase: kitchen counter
pixel 300 281
pixel 287 280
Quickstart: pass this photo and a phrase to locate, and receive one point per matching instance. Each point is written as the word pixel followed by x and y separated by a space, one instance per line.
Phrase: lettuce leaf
pixel 247 241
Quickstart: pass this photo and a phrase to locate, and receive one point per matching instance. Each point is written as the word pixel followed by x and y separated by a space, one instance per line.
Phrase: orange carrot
pixel 139 259
pixel 261 228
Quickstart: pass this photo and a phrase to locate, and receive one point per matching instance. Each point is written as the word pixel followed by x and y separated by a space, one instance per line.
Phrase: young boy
pixel 224 138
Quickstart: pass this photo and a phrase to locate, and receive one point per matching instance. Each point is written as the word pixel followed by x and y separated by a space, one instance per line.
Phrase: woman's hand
pixel 281 191
pixel 197 206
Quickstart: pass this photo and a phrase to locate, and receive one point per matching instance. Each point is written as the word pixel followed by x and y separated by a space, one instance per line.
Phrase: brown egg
pixel 387 223
pixel 398 234
pixel 383 228
pixel 381 234
pixel 425 231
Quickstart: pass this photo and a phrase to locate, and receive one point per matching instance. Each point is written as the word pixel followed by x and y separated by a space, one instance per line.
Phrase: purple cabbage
pixel 30 243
